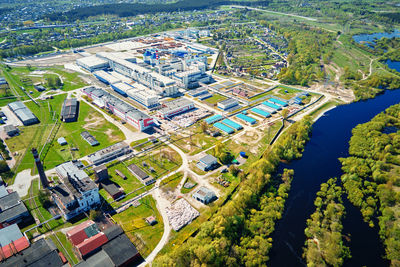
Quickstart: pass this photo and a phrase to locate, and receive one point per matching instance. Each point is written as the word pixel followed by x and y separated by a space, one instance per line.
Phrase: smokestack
pixel 39 166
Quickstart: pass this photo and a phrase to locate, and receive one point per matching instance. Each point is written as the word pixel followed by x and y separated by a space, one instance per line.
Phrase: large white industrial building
pixel 161 84
pixel 131 115
pixel 92 63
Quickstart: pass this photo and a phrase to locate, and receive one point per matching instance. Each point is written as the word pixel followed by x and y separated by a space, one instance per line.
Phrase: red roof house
pixel 78 234
pixel 92 244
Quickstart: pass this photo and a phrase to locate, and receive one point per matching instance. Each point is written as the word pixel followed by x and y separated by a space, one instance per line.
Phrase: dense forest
pixel 239 233
pixel 306 49
pixel 324 245
pixel 372 176
pixel 126 10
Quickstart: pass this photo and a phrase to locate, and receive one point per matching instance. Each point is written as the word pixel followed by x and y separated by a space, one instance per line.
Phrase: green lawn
pixel 130 186
pixel 17 75
pixel 286 92
pixel 215 99
pixel 132 220
pixel 188 190
pixel 171 183
pixel 36 135
pixel 198 142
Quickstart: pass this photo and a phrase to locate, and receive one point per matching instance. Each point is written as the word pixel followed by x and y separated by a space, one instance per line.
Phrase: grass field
pixel 198 142
pixel 171 183
pixel 188 190
pixel 17 75
pixel 130 186
pixel 36 135
pixel 132 220
pixel 215 99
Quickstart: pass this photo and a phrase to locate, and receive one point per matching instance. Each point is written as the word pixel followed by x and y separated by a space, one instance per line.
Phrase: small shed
pixel 204 195
pixel 151 220
pixel 11 130
pixel 62 141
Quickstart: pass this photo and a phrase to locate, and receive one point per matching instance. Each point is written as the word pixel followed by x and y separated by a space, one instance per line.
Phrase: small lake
pixel 371 37
pixel 393 65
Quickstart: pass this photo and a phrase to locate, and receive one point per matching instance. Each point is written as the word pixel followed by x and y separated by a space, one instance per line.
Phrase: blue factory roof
pixel 213 119
pixel 261 112
pixel 278 102
pixel 268 104
pixel 232 124
pixel 246 118
pixel 224 128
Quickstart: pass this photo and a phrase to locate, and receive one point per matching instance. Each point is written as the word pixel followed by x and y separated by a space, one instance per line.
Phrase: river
pixel 329 141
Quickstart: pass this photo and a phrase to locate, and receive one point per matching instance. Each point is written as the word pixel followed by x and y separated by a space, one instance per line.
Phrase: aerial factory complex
pixel 162 134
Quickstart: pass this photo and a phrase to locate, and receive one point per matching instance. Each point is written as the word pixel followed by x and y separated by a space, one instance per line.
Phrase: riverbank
pixel 330 136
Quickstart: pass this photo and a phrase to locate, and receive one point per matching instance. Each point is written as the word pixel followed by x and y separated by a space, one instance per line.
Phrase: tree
pixel 234 170
pixel 204 127
pixel 218 149
pixel 285 113
pixel 4 166
pixel 44 198
pixel 95 215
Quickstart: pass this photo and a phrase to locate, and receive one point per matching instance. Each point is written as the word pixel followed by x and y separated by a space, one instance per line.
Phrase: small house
pixel 62 141
pixel 11 130
pixel 204 195
pixel 207 163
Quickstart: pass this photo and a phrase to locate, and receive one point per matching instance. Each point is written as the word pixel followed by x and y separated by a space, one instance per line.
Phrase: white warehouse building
pixel 92 63
pixel 161 84
pixel 143 96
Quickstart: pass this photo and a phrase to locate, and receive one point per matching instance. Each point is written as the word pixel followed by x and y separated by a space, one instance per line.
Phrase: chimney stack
pixel 39 166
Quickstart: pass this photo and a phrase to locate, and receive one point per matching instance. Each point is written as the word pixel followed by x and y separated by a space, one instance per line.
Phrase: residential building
pixel 76 193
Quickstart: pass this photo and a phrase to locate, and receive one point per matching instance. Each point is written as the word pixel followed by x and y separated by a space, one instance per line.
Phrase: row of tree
pixel 239 232
pixel 372 179
pixel 324 245
pixel 133 9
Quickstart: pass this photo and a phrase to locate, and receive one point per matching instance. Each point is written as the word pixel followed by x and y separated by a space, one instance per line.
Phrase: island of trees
pixel 324 245
pixel 372 176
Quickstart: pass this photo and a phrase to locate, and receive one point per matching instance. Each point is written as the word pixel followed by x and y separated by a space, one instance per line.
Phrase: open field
pixel 28 76
pixel 215 99
pixel 36 135
pixel 144 236
pixel 195 143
